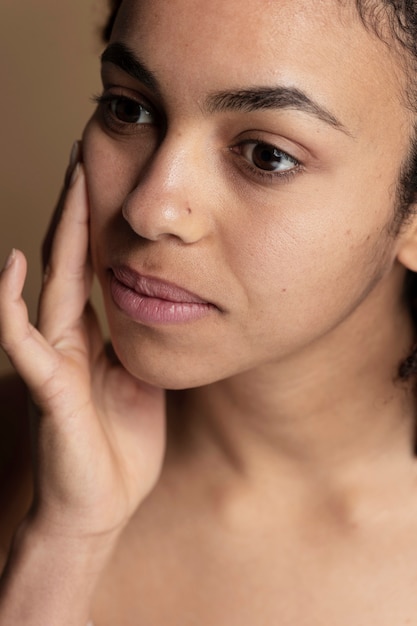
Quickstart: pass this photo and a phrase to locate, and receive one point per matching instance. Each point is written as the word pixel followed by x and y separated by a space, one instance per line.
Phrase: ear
pixel 407 241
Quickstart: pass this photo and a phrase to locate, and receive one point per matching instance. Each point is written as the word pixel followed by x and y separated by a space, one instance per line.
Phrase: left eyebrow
pixel 240 100
pixel 280 97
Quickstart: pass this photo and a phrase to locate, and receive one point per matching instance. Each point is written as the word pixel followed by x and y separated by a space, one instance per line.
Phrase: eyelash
pixel 265 175
pixel 104 101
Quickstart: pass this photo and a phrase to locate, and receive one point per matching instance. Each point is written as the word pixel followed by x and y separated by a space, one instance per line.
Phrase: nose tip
pixel 168 200
pixel 160 217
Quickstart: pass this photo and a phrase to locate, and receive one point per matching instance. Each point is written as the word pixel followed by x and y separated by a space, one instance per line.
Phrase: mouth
pixel 152 301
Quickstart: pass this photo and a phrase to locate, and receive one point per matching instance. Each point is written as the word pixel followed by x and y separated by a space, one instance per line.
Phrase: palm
pixel 132 417
pixel 99 438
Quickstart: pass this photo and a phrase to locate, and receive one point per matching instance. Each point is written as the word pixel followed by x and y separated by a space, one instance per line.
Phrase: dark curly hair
pixel 400 18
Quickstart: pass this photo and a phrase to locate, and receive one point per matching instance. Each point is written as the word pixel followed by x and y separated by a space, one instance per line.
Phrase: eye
pixel 267 157
pixel 129 111
pixel 124 111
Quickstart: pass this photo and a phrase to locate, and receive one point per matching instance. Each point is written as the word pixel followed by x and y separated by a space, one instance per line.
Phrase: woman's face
pixel 242 172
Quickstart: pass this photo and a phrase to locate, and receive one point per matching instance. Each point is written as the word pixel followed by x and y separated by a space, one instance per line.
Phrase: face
pixel 242 175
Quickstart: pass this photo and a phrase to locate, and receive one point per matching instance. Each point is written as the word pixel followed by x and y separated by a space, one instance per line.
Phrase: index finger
pixel 68 276
pixel 75 157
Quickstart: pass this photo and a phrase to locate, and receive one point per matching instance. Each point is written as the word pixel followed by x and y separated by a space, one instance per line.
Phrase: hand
pixel 99 434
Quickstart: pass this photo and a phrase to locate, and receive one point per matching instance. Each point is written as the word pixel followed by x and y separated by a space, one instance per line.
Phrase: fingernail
pixel 46 273
pixel 75 174
pixel 10 259
pixel 75 157
pixel 75 154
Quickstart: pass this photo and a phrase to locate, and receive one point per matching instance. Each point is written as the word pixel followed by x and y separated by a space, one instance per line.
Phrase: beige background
pixel 48 70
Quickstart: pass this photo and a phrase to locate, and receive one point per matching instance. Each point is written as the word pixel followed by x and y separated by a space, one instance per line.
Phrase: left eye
pixel 268 158
pixel 129 111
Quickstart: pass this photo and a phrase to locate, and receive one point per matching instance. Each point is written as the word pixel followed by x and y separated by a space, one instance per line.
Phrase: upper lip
pixel 154 287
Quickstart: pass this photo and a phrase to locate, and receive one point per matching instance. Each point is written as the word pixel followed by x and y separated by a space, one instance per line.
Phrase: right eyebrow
pixel 121 55
pixel 253 99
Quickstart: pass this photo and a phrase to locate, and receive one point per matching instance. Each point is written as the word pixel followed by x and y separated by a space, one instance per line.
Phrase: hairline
pixel 376 16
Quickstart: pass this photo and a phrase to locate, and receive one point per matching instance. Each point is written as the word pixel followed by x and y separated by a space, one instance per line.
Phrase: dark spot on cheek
pixel 188 211
pixel 348 232
pixel 284 290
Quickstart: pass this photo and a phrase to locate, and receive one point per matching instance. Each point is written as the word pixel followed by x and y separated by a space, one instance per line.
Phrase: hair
pixel 400 17
pixel 108 27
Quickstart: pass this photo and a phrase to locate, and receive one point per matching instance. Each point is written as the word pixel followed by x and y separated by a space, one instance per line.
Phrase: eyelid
pixel 269 144
pixel 116 91
pixel 121 128
pixel 122 85
pixel 268 175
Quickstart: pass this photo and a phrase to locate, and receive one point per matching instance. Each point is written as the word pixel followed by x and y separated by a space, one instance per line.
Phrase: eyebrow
pixel 279 97
pixel 241 100
pixel 119 54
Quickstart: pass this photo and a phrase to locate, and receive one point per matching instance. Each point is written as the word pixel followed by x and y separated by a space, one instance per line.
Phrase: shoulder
pixel 14 457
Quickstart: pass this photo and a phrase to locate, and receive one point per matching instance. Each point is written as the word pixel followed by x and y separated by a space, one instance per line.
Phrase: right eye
pixel 129 111
pixel 125 111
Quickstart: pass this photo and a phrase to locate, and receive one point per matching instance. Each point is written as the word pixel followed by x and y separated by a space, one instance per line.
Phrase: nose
pixel 170 198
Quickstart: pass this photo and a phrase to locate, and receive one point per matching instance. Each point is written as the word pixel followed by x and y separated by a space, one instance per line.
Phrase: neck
pixel 336 406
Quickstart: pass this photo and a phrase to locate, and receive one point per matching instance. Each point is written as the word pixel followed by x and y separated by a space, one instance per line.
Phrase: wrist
pixel 50 577
pixel 76 547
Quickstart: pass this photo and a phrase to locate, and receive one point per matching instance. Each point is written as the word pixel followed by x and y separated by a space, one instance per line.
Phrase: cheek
pixel 112 173
pixel 305 269
pixel 108 170
pixel 113 166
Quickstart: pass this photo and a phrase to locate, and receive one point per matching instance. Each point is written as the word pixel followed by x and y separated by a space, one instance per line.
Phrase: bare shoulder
pixel 14 457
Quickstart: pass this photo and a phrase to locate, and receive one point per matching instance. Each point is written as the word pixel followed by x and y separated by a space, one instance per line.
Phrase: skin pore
pixel 242 173
pixel 293 424
pixel 301 268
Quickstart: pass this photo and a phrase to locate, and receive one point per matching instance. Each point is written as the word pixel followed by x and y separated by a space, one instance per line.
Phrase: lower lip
pixel 147 310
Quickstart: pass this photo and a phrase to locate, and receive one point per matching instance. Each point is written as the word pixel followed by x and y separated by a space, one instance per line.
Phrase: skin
pixel 175 200
pixel 260 246
pixel 285 492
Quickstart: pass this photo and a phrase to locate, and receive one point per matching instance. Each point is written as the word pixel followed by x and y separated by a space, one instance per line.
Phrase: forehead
pixel 246 27
pixel 321 46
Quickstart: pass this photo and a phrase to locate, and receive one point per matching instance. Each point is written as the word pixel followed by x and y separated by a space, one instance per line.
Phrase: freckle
pixel 188 211
pixel 348 232
pixel 284 291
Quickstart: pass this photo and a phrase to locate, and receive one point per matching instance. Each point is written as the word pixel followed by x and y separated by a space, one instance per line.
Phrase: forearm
pixel 49 580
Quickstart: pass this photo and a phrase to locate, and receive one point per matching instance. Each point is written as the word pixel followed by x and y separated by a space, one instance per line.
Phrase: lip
pixel 149 300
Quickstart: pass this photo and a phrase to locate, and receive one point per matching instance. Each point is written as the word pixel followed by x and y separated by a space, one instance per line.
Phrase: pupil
pixel 127 111
pixel 266 155
pixel 265 158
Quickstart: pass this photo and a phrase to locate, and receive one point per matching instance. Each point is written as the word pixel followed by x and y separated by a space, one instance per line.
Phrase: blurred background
pixel 49 69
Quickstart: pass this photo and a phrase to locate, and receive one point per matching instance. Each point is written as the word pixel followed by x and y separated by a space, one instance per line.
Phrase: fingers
pixel 75 157
pixel 66 327
pixel 68 276
pixel 26 348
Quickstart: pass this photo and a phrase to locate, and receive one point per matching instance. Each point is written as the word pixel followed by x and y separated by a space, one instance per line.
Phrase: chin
pixel 161 368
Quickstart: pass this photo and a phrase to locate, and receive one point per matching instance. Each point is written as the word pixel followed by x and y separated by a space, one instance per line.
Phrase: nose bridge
pixel 165 200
